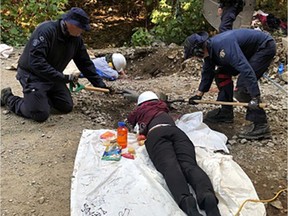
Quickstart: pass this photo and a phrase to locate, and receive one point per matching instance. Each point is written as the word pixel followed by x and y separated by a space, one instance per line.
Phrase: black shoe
pixel 256 131
pixel 189 206
pixel 5 94
pixel 242 95
pixel 211 205
pixel 219 115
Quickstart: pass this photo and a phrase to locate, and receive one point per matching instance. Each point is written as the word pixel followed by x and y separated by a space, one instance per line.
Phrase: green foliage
pixel 175 20
pixel 141 37
pixel 20 17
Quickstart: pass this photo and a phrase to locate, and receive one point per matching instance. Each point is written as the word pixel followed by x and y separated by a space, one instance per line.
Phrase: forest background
pixel 142 22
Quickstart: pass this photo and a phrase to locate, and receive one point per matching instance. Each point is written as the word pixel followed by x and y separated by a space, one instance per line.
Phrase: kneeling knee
pixel 66 109
pixel 40 116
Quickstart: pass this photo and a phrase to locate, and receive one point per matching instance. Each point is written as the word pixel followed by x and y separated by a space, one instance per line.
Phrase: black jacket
pixel 49 50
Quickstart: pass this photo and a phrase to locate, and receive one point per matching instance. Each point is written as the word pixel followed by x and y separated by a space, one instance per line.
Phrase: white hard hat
pixel 146 96
pixel 119 61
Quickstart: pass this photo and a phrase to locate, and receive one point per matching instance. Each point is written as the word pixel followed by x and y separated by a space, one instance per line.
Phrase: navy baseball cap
pixel 192 42
pixel 77 17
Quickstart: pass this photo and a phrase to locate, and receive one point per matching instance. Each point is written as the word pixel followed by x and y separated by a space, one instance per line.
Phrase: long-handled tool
pixel 261 105
pixel 79 87
pixel 275 83
pixel 127 93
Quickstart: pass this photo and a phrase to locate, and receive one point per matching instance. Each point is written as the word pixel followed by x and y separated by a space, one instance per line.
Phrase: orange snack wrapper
pixel 107 135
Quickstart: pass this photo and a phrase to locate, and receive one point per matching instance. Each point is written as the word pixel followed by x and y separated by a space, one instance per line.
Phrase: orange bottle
pixel 122 135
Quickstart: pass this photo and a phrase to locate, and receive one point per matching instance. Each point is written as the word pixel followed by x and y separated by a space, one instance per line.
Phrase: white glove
pixel 72 77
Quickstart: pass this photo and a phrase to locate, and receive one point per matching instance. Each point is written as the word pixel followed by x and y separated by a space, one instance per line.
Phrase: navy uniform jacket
pixel 49 51
pixel 231 49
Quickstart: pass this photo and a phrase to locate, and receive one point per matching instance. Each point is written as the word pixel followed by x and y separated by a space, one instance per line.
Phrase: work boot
pixel 5 94
pixel 256 131
pixel 210 205
pixel 189 206
pixel 219 115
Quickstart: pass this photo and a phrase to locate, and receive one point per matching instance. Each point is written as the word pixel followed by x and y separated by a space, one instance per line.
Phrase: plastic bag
pixel 112 153
pixel 200 134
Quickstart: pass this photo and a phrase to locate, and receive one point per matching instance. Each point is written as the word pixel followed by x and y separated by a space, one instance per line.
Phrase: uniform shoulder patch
pixel 35 42
pixel 222 53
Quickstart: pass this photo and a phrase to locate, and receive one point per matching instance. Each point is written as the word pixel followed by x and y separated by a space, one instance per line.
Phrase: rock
pixel 277 204
pixel 284 76
pixel 270 144
pixel 232 142
pixel 41 200
pixel 285 42
pixel 5 112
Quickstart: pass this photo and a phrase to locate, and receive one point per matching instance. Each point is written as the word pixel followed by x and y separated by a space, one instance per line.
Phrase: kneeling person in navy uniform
pixel 40 68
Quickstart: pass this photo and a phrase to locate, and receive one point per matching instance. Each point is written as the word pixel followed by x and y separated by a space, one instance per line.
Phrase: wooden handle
pixel 92 88
pixel 261 105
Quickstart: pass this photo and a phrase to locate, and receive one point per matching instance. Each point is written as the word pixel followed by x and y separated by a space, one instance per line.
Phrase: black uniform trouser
pixel 227 18
pixel 173 155
pixel 260 62
pixel 39 97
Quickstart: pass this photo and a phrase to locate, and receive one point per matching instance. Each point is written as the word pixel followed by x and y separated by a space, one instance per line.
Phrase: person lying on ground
pixel 245 53
pixel 40 68
pixel 111 66
pixel 173 155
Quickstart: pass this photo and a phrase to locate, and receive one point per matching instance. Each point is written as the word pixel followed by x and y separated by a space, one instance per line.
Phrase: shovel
pixel 79 87
pixel 261 105
pixel 128 94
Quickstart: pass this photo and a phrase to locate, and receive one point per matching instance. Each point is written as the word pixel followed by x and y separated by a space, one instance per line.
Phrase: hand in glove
pixel 130 95
pixel 193 98
pixel 254 103
pixel 72 77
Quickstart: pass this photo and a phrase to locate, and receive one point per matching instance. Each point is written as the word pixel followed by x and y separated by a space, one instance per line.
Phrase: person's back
pixel 248 40
pixel 104 69
pixel 111 66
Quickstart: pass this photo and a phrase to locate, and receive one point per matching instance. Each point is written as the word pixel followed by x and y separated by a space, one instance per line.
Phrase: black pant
pixel 173 155
pixel 39 97
pixel 227 18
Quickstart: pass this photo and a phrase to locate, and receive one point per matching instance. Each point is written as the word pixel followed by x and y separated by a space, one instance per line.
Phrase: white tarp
pixel 134 187
pixel 5 50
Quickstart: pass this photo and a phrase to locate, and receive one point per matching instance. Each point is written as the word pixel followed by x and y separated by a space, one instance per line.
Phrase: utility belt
pixel 222 79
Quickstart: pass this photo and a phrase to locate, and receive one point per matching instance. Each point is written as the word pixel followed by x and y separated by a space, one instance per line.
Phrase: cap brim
pixel 85 27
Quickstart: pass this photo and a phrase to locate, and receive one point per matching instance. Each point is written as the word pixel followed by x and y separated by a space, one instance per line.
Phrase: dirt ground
pixel 37 159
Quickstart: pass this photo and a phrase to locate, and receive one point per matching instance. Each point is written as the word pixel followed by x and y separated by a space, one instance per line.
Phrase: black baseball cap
pixel 77 17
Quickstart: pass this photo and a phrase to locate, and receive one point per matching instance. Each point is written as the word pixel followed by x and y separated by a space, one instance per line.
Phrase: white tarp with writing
pixel 134 187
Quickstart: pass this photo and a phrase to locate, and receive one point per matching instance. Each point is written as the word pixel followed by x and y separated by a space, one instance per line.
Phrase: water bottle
pixel 281 69
pixel 122 134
